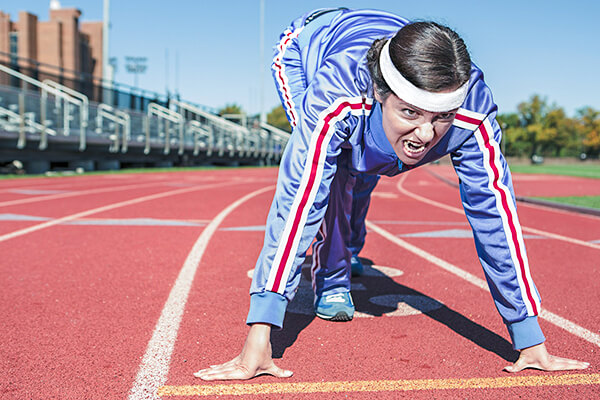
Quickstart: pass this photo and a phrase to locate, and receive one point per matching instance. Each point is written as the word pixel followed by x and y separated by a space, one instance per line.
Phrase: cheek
pixel 442 129
pixel 394 126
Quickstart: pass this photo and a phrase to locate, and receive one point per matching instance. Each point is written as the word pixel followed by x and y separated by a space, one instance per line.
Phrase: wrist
pixel 267 308
pixel 526 333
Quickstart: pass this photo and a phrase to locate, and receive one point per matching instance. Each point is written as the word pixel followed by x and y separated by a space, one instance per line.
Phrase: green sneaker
pixel 335 307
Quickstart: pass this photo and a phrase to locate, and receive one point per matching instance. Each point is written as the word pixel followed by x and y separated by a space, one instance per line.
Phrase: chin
pixel 409 160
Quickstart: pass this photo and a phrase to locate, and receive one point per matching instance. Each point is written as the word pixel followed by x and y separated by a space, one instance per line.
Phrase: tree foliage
pixel 232 108
pixel 539 128
pixel 278 119
pixel 589 126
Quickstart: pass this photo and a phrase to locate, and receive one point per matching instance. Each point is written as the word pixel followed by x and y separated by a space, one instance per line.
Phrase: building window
pixel 14 48
pixel 85 54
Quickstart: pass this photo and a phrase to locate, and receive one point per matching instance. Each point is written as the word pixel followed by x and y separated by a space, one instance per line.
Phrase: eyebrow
pixel 405 104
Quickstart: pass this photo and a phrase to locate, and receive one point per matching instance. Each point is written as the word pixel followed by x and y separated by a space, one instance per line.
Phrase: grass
pixel 582 201
pixel 581 170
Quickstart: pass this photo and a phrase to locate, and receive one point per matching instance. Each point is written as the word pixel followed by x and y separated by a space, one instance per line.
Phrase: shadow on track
pixel 375 298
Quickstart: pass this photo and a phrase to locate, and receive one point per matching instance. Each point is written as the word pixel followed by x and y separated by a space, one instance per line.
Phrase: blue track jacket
pixel 326 53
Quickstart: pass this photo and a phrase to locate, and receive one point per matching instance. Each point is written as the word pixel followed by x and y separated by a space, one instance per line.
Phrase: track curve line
pixel 77 193
pixel 555 319
pixel 154 367
pixel 108 207
pixel 457 210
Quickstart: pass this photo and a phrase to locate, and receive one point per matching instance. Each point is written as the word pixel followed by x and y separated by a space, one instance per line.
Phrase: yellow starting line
pixel 380 386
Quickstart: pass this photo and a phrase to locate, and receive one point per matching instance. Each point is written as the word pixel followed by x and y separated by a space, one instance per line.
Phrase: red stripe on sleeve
pixel 466 119
pixel 309 186
pixel 513 229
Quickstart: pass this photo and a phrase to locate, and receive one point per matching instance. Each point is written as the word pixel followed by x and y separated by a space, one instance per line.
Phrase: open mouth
pixel 414 148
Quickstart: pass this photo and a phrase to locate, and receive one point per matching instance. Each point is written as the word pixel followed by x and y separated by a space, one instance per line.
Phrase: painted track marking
pixel 108 207
pixel 563 323
pixel 77 193
pixel 381 386
pixel 155 364
pixel 460 211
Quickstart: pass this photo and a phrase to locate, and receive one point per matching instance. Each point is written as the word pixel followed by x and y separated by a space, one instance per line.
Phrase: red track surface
pixel 79 303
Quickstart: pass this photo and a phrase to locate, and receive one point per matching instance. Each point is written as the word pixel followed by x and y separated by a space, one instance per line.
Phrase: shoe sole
pixel 339 317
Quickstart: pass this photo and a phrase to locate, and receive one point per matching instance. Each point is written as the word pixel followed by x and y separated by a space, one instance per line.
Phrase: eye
pixel 409 112
pixel 445 116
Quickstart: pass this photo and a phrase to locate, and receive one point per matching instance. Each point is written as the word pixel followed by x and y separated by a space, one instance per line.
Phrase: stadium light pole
pixel 263 117
pixel 107 67
pixel 136 66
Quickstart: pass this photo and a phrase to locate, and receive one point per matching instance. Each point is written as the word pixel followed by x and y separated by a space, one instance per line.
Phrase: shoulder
pixel 478 104
pixel 479 98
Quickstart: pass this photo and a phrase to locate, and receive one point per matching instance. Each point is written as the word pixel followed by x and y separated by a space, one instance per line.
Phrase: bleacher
pixel 48 125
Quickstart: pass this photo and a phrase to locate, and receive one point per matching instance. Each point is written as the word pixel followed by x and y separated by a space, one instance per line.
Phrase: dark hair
pixel 429 55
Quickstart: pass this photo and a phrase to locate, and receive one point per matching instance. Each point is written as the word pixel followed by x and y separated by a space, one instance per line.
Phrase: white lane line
pixel 74 193
pixel 429 257
pixel 155 364
pixel 108 207
pixel 111 221
pixel 524 228
pixel 562 238
pixel 563 323
pixel 47 184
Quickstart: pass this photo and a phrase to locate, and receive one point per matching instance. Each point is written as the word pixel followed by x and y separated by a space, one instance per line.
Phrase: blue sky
pixel 524 47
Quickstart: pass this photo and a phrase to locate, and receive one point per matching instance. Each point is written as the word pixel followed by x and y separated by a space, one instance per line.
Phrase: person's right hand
pixel 255 359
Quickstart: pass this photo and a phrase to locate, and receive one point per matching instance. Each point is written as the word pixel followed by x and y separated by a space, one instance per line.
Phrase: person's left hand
pixel 538 357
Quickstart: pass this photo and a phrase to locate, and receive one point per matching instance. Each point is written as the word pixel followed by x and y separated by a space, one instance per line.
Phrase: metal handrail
pixel 208 132
pixel 119 118
pixel 207 115
pixel 197 130
pixel 239 134
pixel 276 135
pixel 45 89
pixel 24 121
pixel 169 115
pixel 84 115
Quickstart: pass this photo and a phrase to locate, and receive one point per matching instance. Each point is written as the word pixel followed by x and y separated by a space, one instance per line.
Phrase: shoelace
pixel 335 298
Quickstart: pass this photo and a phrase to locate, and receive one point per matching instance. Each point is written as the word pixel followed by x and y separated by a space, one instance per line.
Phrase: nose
pixel 425 132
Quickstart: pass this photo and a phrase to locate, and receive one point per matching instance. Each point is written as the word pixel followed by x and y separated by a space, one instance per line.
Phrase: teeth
pixel 413 147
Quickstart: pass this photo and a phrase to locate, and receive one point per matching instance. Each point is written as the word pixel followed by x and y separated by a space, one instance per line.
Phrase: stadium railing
pixel 35 109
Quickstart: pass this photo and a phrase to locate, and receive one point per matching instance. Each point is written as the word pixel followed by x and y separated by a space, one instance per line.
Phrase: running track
pixel 121 286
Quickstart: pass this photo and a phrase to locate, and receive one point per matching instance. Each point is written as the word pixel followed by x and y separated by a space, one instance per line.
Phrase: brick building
pixel 62 46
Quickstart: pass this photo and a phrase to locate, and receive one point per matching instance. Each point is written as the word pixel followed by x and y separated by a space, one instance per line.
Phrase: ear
pixel 380 99
pixel 376 93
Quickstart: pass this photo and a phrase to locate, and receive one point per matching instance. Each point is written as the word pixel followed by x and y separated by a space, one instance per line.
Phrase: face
pixel 412 131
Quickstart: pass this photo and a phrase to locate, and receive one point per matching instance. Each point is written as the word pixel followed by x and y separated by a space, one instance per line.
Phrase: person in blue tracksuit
pixel 370 93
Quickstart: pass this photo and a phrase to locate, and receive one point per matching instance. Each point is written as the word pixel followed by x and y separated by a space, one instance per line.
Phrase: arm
pixel 489 204
pixel 488 200
pixel 307 170
pixel 326 116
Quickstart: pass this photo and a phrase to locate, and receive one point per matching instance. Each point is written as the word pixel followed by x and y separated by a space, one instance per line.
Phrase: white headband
pixel 429 101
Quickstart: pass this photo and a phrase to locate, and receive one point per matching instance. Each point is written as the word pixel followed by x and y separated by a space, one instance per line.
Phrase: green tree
pixel 278 119
pixel 589 121
pixel 232 108
pixel 556 132
pixel 531 114
pixel 514 141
